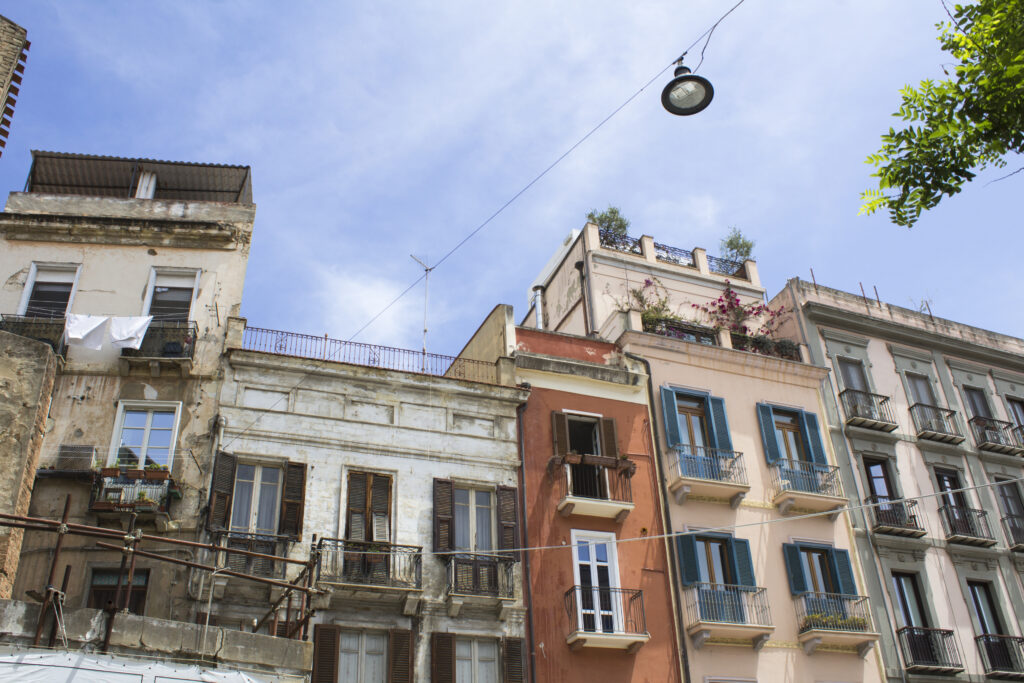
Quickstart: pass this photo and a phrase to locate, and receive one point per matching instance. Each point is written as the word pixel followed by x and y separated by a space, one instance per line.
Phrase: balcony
pixel 870 411
pixel 595 487
pixel 935 423
pixel 50 331
pixel 271 545
pixel 71 461
pixel 479 579
pixel 1013 525
pixel 1002 656
pixel 624 243
pixel 996 436
pixel 966 526
pixel 834 619
pixel 894 516
pixel 807 486
pixel 131 491
pixel 676 329
pixel 723 611
pixel 371 571
pixel 608 618
pixel 766 346
pixel 710 472
pixel 929 651
pixel 167 342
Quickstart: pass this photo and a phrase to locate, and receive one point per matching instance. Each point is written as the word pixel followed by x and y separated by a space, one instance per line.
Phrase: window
pixel 883 495
pixel 949 487
pixel 852 372
pixel 1013 511
pixel 790 435
pixel 976 403
pixel 474 519
pixel 1016 410
pixel 696 424
pixel 103 589
pixel 596 576
pixel 48 290
pixel 145 434
pixel 170 294
pixel 369 507
pixel 985 608
pixel 787 433
pixel 909 605
pixel 362 657
pixel 814 568
pixel 476 660
pixel 720 569
pixel 593 436
pixel 920 389
pixel 257 497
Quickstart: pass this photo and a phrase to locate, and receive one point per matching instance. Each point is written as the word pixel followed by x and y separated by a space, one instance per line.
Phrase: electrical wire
pixel 494 215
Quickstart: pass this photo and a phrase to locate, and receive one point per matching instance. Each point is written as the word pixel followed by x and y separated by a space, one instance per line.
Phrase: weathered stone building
pixel 14 47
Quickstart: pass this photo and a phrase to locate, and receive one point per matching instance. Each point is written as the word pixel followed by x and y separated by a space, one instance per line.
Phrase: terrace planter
pixel 600 460
pixel 158 475
pixel 135 474
pixel 110 472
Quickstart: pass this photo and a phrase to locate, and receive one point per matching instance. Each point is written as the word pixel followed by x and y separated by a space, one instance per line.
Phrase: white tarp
pixel 42 666
pixel 127 332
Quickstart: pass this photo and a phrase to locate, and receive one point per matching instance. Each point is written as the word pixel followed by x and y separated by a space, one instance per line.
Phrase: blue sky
pixel 379 130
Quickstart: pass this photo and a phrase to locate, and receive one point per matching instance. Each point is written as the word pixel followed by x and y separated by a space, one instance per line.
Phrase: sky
pixel 384 129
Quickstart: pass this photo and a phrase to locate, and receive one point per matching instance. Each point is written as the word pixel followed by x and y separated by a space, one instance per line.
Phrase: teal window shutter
pixel 768 438
pixel 686 546
pixel 715 410
pixel 812 437
pixel 744 562
pixel 794 568
pixel 669 412
pixel 844 572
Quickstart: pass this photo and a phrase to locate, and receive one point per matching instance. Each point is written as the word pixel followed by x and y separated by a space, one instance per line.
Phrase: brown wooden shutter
pixel 356 506
pixel 293 498
pixel 609 438
pixel 444 512
pixel 508 520
pixel 380 509
pixel 221 488
pixel 560 433
pixel 512 654
pixel 442 658
pixel 400 656
pixel 326 641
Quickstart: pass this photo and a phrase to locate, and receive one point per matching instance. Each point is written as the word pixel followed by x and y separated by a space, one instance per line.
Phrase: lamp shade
pixel 687 93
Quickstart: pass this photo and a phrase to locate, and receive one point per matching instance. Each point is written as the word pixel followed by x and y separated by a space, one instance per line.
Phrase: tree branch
pixel 1005 176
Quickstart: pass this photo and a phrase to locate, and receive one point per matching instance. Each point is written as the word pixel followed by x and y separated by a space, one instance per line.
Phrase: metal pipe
pixel 131 567
pixel 64 591
pixel 538 306
pixel 273 608
pixel 53 570
pixel 527 588
pixel 209 606
pixel 218 548
pixel 112 613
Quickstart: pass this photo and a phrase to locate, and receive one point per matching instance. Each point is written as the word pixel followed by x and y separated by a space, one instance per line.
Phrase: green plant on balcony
pixel 833 622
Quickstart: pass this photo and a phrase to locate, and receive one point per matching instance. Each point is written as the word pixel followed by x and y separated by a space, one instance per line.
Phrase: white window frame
pixel 592 537
pixel 474 657
pixel 33 275
pixel 156 271
pixel 150 406
pixel 260 465
pixel 473 488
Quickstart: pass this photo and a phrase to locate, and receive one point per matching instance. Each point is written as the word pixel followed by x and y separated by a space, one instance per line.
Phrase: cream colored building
pixel 765 591
pixel 925 416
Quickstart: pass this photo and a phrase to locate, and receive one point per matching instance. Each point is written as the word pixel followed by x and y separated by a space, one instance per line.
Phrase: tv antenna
pixel 426 291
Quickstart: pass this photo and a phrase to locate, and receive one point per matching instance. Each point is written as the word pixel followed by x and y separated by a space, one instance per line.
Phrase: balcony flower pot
pixel 158 474
pixel 135 474
pixel 626 466
pixel 110 472
pixel 102 505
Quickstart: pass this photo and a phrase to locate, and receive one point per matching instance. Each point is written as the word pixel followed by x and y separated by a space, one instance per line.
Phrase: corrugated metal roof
pixel 104 176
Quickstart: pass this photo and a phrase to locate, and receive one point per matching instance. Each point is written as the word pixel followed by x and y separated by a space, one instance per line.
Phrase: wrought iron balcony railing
pixel 124 493
pixel 727 604
pixel 167 339
pixel 1002 656
pixel 680 257
pixel 594 609
pixel 272 545
pixel 864 409
pixel 935 423
pixel 1013 525
pixel 480 574
pixel 680 330
pixel 929 650
pixel 596 482
pixel 995 435
pixel 724 266
pixel 805 477
pixel 370 564
pixel 713 464
pixel 323 348
pixel 832 612
pixel 894 516
pixel 766 346
pixel 50 331
pixel 966 525
pixel 616 242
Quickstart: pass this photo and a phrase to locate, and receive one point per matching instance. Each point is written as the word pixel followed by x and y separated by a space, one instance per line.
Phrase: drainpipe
pixel 538 305
pixel 588 314
pixel 528 592
pixel 666 520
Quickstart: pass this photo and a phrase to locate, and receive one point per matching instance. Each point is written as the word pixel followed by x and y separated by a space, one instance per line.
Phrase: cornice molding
pixel 123 231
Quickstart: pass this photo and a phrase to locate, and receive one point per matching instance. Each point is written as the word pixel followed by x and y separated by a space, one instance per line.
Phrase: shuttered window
pixel 818 569
pixel 326 639
pixel 442 658
pixel 468 519
pixel 401 655
pixel 715 558
pixel 369 507
pixel 512 654
pixel 790 434
pixel 710 428
pixel 257 498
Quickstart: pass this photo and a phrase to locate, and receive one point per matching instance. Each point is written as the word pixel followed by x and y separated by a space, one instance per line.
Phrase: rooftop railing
pixel 727 604
pixel 965 524
pixel 864 409
pixel 323 348
pixel 995 435
pixel 805 477
pixel 167 339
pixel 1002 656
pixel 48 330
pixel 933 422
pixel 617 242
pixel 681 330
pixel 714 464
pixel 929 650
pixel 724 266
pixel 595 609
pixel 832 612
pixel 680 257
pixel 766 346
pixel 370 563
pixel 480 574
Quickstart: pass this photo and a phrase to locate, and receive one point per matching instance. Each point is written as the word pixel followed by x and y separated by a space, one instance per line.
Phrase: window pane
pixel 163 420
pixel 463 660
pixel 375 670
pixel 601 552
pixel 487 661
pixel 348 665
pixel 135 418
pixel 160 438
pixel 241 506
pixel 158 456
pixel 583 551
pixel 462 519
pixel 483 520
pixel 266 515
pixel 246 472
pixel 462 496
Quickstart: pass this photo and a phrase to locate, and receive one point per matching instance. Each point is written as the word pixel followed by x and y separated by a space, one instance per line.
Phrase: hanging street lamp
pixel 687 93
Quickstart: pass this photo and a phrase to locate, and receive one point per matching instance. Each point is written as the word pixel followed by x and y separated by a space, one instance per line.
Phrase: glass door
pixel 921 646
pixel 960 520
pixel 718 597
pixel 996 649
pixel 597 606
pixel 695 459
pixel 880 486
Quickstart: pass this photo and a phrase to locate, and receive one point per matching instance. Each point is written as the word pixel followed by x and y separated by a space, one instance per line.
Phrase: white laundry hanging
pixel 128 332
pixel 89 331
